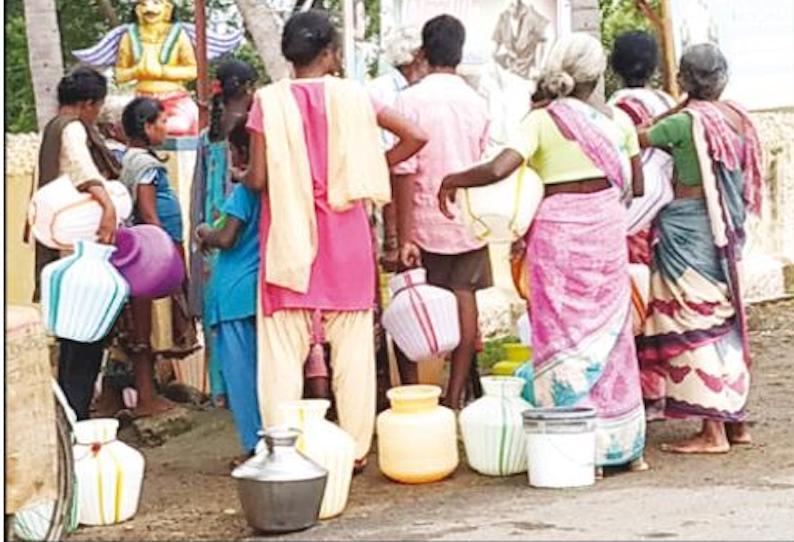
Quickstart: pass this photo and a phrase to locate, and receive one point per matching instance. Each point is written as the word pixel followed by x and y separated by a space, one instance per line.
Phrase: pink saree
pixel 580 302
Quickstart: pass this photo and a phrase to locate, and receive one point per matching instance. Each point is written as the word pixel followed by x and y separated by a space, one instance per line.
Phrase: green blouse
pixel 675 133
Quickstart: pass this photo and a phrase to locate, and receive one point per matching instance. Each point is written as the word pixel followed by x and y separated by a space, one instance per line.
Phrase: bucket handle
pixel 563 452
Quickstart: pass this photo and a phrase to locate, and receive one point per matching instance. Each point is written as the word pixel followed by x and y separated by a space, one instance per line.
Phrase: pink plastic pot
pixel 149 260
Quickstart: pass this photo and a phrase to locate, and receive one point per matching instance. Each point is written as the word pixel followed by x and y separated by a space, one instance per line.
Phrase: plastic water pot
pixel 422 319
pixel 492 428
pixel 326 444
pixel 417 438
pixel 109 473
pixel 59 214
pixel 149 260
pixel 82 294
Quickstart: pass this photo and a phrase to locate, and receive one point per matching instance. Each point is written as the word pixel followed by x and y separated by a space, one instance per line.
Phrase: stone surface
pixel 156 430
pixel 586 20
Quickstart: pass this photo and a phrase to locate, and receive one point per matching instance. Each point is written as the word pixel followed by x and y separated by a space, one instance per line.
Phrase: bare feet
pixel 738 433
pixel 711 440
pixel 639 465
pixel 152 407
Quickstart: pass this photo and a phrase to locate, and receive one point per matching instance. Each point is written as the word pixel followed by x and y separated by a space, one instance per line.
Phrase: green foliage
pixel 82 23
pixel 617 17
pixel 20 110
pixel 493 351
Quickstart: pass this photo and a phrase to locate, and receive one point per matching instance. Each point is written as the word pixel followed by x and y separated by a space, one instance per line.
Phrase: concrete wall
pixel 586 17
pixel 21 155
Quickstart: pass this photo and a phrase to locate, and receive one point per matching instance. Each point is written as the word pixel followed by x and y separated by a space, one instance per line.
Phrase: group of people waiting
pixel 290 176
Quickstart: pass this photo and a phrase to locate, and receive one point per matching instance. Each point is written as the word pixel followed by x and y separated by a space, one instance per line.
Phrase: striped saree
pixel 695 328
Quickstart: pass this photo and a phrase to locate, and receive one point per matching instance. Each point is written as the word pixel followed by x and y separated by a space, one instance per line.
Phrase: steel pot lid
pixel 280 461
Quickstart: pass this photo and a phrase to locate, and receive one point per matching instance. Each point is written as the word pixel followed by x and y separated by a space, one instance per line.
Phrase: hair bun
pixel 558 84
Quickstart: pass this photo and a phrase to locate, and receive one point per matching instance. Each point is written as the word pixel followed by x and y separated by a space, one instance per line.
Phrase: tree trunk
pixel 44 52
pixel 265 26
pixel 109 12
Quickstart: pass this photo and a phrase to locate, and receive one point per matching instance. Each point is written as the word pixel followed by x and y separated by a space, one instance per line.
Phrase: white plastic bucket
pixel 561 446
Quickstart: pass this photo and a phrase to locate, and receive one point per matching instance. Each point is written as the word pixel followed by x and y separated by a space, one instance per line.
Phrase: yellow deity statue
pixel 157 53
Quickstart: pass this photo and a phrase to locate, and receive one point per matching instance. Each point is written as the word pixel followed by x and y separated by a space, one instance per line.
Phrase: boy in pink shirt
pixel 455 119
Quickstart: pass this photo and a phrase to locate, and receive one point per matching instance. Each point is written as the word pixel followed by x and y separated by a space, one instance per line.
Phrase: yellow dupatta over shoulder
pixel 352 126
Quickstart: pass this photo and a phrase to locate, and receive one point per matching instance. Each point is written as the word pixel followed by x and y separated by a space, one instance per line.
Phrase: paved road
pixel 747 494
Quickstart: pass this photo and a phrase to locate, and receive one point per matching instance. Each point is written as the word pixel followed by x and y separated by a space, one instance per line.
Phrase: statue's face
pixel 154 11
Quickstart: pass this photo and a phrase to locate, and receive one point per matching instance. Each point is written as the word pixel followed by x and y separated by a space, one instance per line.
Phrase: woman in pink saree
pixel 587 155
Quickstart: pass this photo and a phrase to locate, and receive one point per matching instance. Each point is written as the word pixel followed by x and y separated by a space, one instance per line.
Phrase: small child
pixel 231 315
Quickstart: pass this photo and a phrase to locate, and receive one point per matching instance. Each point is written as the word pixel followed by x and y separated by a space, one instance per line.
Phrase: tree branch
pixel 109 12
pixel 648 11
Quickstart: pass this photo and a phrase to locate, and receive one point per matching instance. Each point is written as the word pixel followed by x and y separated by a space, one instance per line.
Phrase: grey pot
pixel 280 489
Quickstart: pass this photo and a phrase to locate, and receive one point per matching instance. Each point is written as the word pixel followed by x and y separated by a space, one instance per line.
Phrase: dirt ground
pixel 746 494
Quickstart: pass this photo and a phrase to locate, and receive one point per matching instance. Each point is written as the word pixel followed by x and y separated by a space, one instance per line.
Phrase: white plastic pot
pixel 502 212
pixel 59 215
pixel 422 319
pixel 109 473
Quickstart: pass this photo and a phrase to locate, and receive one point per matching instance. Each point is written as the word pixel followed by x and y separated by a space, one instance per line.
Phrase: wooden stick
pixel 201 61
pixel 668 50
pixel 665 32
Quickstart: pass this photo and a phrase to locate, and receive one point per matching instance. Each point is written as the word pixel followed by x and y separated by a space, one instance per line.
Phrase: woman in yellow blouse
pixel 587 156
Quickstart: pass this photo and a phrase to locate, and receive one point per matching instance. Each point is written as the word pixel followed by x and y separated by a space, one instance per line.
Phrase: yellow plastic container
pixel 505 368
pixel 417 438
pixel 517 352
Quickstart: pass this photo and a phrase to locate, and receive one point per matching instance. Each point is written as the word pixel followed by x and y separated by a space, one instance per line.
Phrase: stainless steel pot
pixel 280 489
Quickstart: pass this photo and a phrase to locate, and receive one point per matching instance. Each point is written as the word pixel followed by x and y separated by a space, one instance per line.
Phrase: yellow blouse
pixel 559 160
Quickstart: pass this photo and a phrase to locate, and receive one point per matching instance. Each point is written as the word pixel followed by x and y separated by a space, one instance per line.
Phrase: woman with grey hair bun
pixel 587 156
pixel 696 328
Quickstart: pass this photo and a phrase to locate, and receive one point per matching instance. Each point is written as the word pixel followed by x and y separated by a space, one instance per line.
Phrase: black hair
pixel 82 85
pixel 635 57
pixel 139 112
pixel 306 35
pixel 442 41
pixel 239 136
pixel 235 77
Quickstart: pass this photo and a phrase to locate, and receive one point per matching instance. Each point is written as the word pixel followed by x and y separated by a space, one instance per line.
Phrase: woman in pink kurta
pixel 343 272
pixel 335 291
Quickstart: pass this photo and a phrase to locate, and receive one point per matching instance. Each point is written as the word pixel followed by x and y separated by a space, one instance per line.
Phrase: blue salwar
pixel 235 348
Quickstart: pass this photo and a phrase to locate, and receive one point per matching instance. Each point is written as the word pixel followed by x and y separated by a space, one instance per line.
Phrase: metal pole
pixel 201 61
pixel 348 15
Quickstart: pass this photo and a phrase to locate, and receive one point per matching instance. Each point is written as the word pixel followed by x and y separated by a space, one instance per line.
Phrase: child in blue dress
pixel 231 314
